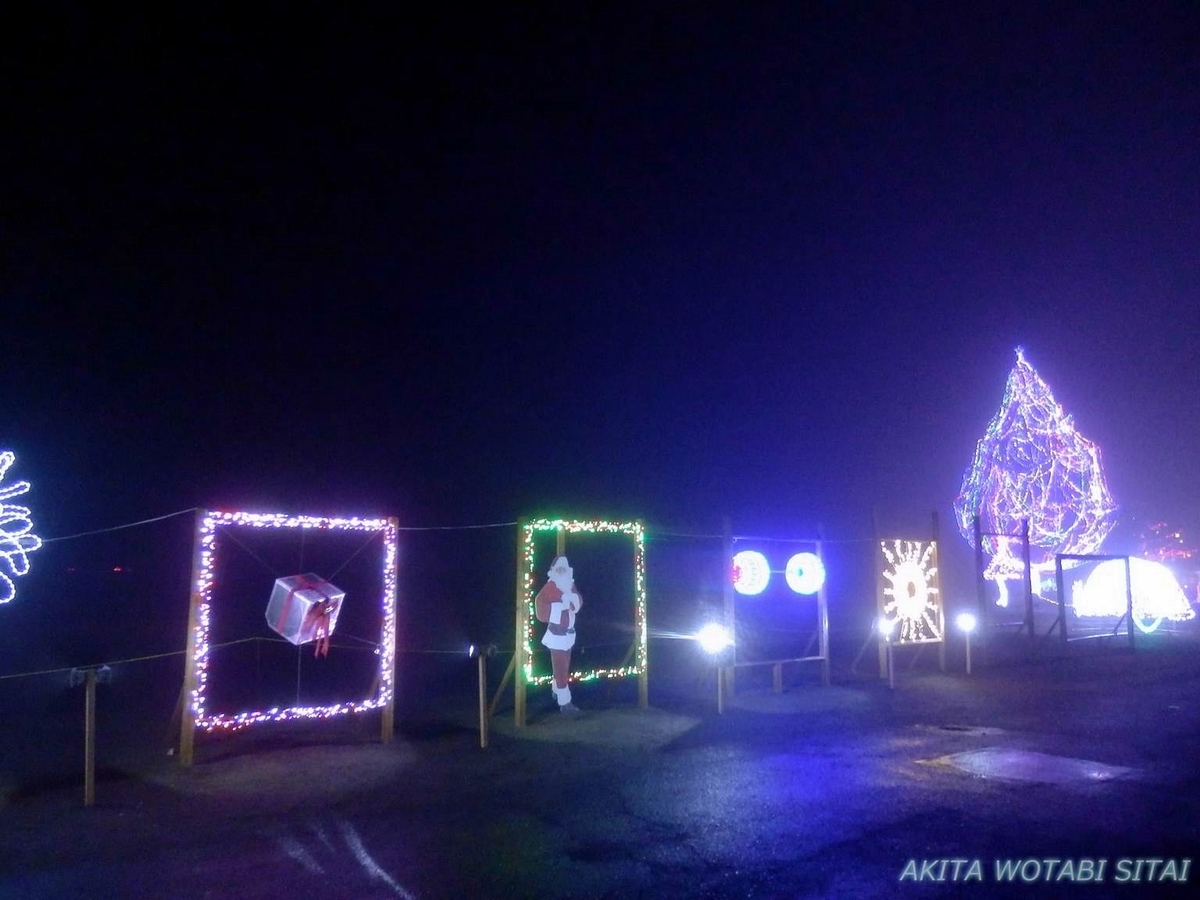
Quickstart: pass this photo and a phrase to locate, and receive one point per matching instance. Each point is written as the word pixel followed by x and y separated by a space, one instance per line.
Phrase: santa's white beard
pixel 563 582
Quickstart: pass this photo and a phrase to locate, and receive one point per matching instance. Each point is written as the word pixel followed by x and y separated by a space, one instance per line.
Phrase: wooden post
pixel 884 651
pixel 1129 600
pixel 521 625
pixel 1062 600
pixel 89 739
pixel 941 596
pixel 980 581
pixel 387 725
pixel 1028 560
pixel 777 677
pixel 823 614
pixel 639 576
pixel 187 719
pixel 483 703
pixel 729 613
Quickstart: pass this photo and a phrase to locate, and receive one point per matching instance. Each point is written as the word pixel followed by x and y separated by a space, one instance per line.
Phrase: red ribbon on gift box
pixel 316 620
pixel 316 623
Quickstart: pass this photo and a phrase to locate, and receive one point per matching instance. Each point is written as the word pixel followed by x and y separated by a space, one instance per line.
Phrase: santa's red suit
pixel 558 610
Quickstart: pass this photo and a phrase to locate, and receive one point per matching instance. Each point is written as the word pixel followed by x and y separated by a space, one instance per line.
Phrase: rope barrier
pixel 69 537
pixel 650 532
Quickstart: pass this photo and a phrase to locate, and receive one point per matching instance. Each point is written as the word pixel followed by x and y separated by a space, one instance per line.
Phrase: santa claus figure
pixel 556 604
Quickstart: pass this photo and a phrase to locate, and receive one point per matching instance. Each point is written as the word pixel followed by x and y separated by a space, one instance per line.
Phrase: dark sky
pixel 751 260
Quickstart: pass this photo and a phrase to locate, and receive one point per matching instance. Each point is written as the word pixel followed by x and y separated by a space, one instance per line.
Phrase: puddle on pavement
pixel 1027 765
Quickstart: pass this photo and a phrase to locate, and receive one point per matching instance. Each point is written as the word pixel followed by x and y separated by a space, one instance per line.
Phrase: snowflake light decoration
pixel 17 539
pixel 1031 464
pixel 910 567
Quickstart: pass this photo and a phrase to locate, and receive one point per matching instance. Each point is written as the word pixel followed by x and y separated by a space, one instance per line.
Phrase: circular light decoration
pixel 805 573
pixel 17 539
pixel 911 570
pixel 751 572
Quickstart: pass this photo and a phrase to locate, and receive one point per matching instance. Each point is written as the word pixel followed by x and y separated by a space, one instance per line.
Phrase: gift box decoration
pixel 305 608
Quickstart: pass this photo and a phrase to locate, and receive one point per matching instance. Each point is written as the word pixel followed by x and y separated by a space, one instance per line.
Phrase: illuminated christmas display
pixel 1156 593
pixel 528 583
pixel 1163 543
pixel 209 542
pixel 1032 465
pixel 910 568
pixel 17 539
pixel 805 573
pixel 751 573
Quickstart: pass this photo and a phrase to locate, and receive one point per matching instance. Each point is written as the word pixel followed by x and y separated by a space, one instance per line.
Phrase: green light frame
pixel 635 530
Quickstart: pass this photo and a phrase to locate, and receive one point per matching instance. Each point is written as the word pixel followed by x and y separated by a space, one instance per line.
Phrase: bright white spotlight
pixel 887 626
pixel 965 622
pixel 714 638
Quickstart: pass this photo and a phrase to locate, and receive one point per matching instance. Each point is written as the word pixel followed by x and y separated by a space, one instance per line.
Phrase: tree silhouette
pixel 1031 464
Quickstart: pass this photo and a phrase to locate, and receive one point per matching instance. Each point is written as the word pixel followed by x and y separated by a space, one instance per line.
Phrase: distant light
pixel 713 638
pixel 17 539
pixel 965 622
pixel 751 572
pixel 471 651
pixel 805 573
pixel 118 568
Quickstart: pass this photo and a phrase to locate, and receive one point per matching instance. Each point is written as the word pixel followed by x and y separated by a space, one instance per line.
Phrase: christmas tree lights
pixel 1033 465
pixel 17 539
pixel 208 540
pixel 634 530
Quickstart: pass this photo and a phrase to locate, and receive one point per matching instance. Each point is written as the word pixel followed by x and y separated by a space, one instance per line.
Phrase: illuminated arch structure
pixel 529 576
pixel 206 605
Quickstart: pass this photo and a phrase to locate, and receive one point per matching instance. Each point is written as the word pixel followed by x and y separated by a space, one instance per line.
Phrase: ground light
pixel 966 624
pixel 887 628
pixel 715 640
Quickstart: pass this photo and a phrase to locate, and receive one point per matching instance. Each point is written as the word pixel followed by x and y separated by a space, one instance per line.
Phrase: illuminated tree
pixel 1031 464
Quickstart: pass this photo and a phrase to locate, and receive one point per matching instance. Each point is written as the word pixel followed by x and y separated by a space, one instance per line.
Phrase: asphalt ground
pixel 1072 773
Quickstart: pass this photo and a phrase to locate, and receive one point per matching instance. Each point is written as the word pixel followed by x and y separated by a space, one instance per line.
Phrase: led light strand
pixel 17 539
pixel 204 588
pixel 635 530
pixel 910 567
pixel 1032 465
pixel 1156 593
pixel 750 572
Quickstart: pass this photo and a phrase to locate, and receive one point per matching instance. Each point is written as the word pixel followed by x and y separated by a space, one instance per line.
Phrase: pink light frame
pixel 207 544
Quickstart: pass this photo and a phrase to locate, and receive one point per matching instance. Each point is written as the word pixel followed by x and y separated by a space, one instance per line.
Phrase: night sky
pixel 605 260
